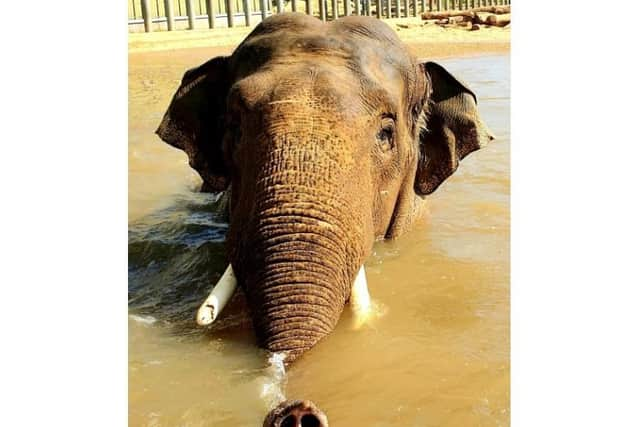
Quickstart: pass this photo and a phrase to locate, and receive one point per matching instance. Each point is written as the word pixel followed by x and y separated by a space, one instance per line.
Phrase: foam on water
pixel 272 392
pixel 145 320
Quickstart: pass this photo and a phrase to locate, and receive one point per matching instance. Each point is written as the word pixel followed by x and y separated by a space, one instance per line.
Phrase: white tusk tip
pixel 206 315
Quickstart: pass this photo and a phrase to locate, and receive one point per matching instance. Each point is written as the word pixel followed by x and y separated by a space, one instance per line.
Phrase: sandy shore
pixel 426 41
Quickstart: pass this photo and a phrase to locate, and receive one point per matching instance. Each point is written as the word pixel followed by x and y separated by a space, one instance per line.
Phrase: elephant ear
pixel 194 121
pixel 453 129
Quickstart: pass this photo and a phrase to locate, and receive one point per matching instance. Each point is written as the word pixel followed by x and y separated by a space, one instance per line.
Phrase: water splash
pixel 272 392
pixel 367 317
pixel 145 320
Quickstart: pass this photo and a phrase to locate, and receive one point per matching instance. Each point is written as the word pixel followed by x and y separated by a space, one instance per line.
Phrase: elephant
pixel 326 136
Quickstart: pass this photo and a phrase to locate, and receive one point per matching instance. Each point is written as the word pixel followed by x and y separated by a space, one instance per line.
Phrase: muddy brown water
pixel 437 354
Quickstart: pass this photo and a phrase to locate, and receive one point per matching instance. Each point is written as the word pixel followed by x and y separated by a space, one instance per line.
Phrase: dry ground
pixel 426 41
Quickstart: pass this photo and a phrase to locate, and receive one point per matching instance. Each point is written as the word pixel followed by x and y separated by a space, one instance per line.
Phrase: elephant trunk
pixel 294 241
pixel 296 261
pixel 296 413
pixel 299 283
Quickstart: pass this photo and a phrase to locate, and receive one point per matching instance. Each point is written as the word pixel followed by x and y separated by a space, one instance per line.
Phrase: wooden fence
pixel 178 14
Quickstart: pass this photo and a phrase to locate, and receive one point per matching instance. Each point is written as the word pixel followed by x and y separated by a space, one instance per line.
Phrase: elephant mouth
pixel 222 292
pixel 296 413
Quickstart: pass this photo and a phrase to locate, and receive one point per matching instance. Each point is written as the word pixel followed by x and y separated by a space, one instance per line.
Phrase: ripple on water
pixel 174 256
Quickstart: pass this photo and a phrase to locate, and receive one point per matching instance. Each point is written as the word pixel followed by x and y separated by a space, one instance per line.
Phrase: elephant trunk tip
pixel 296 413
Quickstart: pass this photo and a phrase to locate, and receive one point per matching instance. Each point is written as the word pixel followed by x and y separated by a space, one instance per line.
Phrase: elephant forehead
pixel 353 84
pixel 308 89
pixel 359 44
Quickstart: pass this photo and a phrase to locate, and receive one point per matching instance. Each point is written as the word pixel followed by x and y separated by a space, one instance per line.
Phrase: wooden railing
pixel 188 14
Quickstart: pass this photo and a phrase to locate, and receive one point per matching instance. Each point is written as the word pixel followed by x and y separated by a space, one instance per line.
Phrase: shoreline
pixel 424 41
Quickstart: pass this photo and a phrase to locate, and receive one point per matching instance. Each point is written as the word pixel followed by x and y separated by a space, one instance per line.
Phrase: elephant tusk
pixel 218 298
pixel 360 299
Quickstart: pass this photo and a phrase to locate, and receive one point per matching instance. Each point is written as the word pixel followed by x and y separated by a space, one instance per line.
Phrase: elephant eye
pixel 386 134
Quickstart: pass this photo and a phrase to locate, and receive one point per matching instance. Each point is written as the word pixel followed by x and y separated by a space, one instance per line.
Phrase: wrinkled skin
pixel 328 136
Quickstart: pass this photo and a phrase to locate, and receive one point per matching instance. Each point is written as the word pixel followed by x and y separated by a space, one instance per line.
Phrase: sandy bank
pixel 424 40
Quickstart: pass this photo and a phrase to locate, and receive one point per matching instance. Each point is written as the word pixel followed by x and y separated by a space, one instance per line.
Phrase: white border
pixel 574 208
pixel 64 214
pixel 575 215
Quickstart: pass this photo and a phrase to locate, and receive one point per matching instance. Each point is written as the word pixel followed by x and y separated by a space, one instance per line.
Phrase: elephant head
pixel 328 136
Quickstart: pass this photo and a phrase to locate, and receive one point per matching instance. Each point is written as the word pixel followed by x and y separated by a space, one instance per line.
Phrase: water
pixel 439 354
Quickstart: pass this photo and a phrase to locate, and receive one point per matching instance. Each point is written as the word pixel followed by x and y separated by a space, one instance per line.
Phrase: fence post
pixel 228 5
pixel 211 14
pixel 415 7
pixel 263 8
pixel 378 9
pixel 309 7
pixel 280 6
pixel 357 9
pixel 133 6
pixel 190 14
pixel 146 15
pixel 247 12
pixel 367 8
pixel 168 12
pixel 334 6
pixel 347 7
pixel 294 6
pixel 323 10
